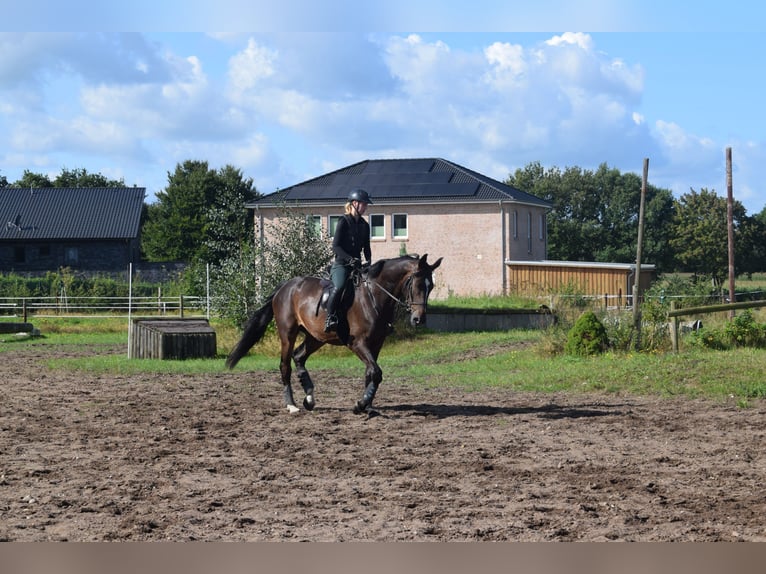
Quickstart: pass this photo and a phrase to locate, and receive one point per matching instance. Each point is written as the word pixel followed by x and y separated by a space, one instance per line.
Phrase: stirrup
pixel 331 324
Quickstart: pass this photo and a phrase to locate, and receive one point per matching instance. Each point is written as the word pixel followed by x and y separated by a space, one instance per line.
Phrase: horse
pixel 295 306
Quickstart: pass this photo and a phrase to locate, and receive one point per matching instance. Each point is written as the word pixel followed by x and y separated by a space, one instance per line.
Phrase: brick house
pixel 429 206
pixel 85 229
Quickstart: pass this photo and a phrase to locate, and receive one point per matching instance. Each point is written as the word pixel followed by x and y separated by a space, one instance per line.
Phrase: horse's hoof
pixel 359 408
pixel 308 403
pixel 292 409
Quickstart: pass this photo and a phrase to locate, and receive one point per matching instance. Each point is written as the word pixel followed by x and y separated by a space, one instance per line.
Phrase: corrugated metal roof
pixel 70 213
pixel 422 180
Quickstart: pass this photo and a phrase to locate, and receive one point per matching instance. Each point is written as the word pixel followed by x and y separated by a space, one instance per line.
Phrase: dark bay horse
pixel 390 283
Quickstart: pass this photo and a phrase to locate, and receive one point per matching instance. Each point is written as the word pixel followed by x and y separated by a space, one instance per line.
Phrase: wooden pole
pixel 637 278
pixel 730 225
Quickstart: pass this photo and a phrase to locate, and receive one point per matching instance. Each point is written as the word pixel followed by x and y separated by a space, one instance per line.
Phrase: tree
pixel 200 216
pixel 750 246
pixel 78 177
pixel 81 178
pixel 595 214
pixel 292 247
pixel 30 179
pixel 700 233
pixel 229 223
pixel 175 227
pixel 3 181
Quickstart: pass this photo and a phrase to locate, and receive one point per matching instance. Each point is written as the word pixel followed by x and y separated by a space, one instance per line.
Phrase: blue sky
pixel 340 81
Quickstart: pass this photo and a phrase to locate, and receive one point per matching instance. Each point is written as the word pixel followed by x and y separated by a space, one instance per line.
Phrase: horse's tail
pixel 254 330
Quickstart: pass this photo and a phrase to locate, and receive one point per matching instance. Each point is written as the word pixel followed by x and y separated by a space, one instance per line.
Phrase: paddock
pixel 137 457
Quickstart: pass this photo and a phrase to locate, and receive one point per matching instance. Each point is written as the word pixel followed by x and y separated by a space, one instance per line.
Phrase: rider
pixel 352 237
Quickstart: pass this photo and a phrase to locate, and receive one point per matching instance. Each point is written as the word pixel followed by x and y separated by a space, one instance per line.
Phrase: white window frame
pixel 381 236
pixel 541 221
pixel 394 227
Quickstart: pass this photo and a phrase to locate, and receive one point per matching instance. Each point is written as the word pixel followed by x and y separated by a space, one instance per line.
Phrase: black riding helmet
pixel 359 195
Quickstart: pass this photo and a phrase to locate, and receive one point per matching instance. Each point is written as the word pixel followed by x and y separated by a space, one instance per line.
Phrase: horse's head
pixel 419 286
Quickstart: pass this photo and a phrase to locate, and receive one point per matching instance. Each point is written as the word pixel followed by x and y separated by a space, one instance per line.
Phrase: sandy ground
pixel 217 458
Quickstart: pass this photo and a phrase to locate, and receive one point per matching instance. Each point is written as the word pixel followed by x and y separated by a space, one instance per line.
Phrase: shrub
pixel 587 337
pixel 742 331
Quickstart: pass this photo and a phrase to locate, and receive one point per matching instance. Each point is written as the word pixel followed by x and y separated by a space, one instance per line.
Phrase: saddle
pixel 355 278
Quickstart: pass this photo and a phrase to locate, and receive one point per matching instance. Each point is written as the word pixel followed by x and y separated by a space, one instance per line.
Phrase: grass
pixel 512 360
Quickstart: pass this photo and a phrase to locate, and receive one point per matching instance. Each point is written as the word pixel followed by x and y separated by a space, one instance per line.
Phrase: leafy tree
pixel 700 233
pixel 230 225
pixel 292 246
pixel 200 216
pixel 81 178
pixel 241 281
pixel 3 181
pixel 30 179
pixel 68 178
pixel 750 246
pixel 595 214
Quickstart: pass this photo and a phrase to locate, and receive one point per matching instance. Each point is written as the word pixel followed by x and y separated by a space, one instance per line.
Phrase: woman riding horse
pixel 352 237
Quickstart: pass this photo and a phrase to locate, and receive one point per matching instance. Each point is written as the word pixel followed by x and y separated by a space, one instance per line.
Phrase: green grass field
pixel 515 360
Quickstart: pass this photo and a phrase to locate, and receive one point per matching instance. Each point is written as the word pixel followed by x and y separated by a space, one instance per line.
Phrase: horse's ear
pixel 423 264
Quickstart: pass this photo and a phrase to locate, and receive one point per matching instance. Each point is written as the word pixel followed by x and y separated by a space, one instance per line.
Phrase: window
pixel 400 225
pixel 332 223
pixel 44 251
pixel 515 224
pixel 19 255
pixel 315 221
pixel 529 232
pixel 542 227
pixel 377 226
pixel 70 256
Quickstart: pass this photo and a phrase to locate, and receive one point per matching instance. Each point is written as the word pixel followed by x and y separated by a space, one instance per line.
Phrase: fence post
pixel 674 328
pixel 24 309
pixel 181 305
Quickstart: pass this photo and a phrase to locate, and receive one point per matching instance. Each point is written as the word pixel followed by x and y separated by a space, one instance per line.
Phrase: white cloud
pixel 249 67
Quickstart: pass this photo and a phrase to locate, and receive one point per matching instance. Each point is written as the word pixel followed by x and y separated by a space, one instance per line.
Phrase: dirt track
pixel 86 457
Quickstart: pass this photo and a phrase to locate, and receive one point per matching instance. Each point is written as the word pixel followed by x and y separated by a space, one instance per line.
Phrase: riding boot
pixel 331 324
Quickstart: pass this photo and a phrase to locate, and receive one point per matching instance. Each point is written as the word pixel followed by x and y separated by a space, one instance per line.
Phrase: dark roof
pixel 70 213
pixel 428 180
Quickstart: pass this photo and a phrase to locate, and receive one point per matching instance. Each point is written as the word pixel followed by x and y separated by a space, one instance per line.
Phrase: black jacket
pixel 352 237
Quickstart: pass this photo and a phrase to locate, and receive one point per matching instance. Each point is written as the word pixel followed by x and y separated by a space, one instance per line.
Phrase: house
pixel 432 206
pixel 85 229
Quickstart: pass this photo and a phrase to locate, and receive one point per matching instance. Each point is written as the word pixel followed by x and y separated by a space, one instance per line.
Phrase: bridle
pixel 408 287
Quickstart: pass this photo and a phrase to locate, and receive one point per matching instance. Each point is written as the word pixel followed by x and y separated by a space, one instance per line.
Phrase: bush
pixel 742 331
pixel 587 337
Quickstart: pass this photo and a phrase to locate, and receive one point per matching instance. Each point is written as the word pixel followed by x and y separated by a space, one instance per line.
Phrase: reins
pixel 406 305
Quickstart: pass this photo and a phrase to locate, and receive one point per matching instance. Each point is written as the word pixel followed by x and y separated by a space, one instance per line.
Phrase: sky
pixel 289 91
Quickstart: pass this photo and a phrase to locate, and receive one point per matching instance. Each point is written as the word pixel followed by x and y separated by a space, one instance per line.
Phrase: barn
pixel 427 205
pixel 84 229
pixel 614 282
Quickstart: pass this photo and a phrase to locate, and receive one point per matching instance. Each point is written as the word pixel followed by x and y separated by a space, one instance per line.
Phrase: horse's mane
pixel 377 267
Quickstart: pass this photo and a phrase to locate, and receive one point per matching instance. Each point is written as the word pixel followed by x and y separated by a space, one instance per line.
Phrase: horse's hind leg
pixel 287 341
pixel 301 354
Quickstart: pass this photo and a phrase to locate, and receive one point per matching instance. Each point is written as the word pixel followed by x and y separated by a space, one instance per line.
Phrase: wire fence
pixel 104 307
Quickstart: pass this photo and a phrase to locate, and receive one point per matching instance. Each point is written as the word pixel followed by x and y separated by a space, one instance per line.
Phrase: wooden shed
pixel 612 280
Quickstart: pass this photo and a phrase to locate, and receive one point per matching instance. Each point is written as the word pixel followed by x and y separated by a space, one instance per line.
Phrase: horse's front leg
pixel 372 377
pixel 300 356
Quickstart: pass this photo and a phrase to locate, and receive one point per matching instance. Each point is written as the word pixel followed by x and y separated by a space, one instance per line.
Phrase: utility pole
pixel 637 278
pixel 730 225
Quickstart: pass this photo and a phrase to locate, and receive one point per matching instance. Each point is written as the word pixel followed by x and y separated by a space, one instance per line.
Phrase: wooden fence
pixel 674 314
